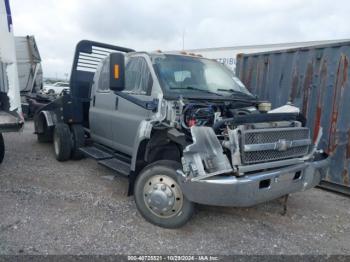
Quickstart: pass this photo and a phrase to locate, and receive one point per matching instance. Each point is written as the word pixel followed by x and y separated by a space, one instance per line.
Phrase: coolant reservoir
pixel 264 107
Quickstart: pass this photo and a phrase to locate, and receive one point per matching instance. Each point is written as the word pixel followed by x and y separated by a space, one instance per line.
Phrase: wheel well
pixel 170 151
pixel 41 125
pixel 158 147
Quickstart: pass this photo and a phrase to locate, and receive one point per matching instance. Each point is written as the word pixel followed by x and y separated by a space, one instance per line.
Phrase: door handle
pixel 116 103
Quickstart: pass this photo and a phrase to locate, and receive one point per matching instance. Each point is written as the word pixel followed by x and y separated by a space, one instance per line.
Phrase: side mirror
pixel 117 71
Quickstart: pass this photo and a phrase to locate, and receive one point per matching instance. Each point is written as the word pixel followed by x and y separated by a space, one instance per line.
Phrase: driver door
pixel 115 116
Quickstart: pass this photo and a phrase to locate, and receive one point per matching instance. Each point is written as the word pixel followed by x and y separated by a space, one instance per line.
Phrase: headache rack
pixel 73 106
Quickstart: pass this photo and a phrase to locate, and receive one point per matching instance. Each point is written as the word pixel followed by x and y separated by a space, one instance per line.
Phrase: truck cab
pixel 182 128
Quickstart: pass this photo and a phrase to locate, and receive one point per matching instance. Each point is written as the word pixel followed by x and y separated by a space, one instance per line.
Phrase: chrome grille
pixel 263 145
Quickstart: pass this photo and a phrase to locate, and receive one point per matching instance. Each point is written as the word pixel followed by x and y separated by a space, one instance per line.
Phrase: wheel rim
pixel 163 196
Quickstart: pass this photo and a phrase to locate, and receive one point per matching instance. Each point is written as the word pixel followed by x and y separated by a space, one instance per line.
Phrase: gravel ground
pixel 79 207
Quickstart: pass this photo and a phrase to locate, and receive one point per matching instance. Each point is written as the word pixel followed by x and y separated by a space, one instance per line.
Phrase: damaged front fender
pixel 205 157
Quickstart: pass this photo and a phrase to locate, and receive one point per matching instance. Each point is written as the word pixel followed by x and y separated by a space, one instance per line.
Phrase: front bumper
pixel 252 189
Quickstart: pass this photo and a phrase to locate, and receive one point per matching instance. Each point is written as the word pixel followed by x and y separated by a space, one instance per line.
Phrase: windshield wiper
pixel 238 93
pixel 197 89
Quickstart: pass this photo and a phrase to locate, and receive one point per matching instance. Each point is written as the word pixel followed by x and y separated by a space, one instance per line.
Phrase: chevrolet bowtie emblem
pixel 283 145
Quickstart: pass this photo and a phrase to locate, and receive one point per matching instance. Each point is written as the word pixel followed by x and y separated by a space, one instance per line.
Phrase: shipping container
pixel 317 80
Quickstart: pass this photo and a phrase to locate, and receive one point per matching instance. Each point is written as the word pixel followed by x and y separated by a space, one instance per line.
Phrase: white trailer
pixel 10 101
pixel 30 72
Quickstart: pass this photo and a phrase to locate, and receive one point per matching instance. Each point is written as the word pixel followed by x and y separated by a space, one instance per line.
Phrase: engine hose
pixel 260 118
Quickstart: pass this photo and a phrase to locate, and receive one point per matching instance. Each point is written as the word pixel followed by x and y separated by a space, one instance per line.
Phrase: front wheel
pixel 159 197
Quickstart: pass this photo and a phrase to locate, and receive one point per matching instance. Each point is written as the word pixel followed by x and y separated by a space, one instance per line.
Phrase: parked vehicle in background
pixel 183 130
pixel 56 88
pixel 10 102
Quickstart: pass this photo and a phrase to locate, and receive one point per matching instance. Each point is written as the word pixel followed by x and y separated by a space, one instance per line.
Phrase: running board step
pixel 116 165
pixel 94 152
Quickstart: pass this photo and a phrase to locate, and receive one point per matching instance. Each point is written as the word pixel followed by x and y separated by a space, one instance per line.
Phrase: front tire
pixel 159 197
pixel 62 142
pixel 2 148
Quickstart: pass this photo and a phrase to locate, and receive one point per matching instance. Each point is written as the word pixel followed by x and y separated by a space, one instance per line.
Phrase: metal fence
pixel 317 80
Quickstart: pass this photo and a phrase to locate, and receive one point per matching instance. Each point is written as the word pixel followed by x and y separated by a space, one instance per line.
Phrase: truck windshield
pixel 193 74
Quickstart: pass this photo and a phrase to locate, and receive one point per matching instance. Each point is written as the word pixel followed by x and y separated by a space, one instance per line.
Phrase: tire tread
pixel 62 131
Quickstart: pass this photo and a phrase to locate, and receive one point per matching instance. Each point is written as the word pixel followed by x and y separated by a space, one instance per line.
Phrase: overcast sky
pixel 159 24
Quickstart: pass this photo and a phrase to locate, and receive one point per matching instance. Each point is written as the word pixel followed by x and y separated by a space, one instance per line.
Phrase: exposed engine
pixel 198 115
pixel 203 114
pixel 235 138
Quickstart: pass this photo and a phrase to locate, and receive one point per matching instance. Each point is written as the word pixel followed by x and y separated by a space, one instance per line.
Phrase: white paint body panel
pixel 285 109
pixel 8 58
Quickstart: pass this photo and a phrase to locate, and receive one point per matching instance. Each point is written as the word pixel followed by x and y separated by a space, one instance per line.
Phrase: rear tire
pixel 78 136
pixel 158 196
pixel 62 142
pixel 2 148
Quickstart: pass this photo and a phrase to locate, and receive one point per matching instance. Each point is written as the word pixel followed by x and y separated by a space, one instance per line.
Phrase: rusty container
pixel 317 80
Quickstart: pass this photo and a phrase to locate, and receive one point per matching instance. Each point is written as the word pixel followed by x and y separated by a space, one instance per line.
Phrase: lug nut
pixel 170 194
pixel 163 188
pixel 155 187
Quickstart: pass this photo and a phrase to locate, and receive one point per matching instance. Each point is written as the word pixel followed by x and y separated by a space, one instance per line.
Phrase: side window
pixel 103 81
pixel 138 78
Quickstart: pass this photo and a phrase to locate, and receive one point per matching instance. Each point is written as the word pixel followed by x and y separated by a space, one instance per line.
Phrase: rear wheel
pixel 159 197
pixel 78 137
pixel 2 148
pixel 62 141
pixel 46 136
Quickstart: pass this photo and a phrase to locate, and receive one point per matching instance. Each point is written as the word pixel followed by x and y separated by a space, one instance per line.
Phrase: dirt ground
pixel 79 207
